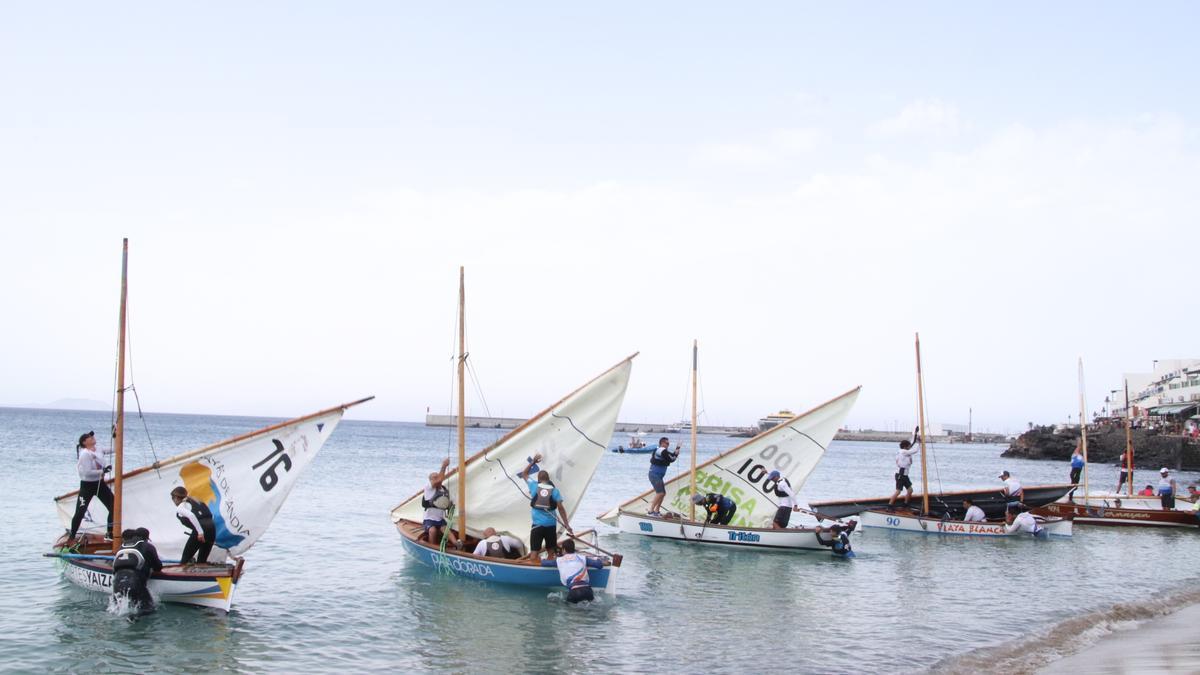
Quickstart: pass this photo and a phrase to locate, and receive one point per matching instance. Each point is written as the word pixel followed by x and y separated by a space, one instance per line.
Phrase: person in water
pixel 1166 489
pixel 91 484
pixel 718 509
pixel 787 502
pixel 974 514
pixel 435 500
pixel 494 545
pixel 660 459
pixel 196 516
pixel 1012 490
pixel 544 500
pixel 904 459
pixel 1022 522
pixel 572 571
pixel 132 566
pixel 838 540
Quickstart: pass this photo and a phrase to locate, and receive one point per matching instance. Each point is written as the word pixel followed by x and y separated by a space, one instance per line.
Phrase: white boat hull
pixel 788 539
pixel 201 585
pixel 906 522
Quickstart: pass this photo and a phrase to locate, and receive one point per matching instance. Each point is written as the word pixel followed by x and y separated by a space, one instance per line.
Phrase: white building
pixel 1172 388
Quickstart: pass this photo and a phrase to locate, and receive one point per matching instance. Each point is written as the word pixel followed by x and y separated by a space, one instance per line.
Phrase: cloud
pixel 733 154
pixel 920 118
pixel 778 146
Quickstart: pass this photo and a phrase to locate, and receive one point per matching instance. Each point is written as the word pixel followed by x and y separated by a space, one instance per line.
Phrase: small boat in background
pixel 636 446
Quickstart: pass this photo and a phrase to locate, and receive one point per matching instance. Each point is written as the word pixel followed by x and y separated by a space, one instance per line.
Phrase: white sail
pixel 572 436
pixel 792 448
pixel 243 480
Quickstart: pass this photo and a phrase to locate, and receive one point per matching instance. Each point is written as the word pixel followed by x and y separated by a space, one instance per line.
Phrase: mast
pixel 462 408
pixel 692 491
pixel 1128 440
pixel 1083 431
pixel 119 430
pixel 921 421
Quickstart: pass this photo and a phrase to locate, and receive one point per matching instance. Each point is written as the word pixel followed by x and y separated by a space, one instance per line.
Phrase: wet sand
pixel 1169 644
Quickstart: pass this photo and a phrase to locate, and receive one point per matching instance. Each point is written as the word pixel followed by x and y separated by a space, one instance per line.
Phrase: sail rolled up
pixel 571 435
pixel 793 449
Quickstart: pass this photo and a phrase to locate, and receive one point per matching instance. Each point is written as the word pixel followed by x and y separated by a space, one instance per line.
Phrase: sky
pixel 801 187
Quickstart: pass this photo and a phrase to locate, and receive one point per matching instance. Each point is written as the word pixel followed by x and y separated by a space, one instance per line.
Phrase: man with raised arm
pixel 904 460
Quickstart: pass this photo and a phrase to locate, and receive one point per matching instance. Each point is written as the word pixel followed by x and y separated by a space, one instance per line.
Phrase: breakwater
pixel 1105 445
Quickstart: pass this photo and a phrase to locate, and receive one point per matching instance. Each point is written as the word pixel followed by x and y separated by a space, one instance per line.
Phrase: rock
pixel 1105 445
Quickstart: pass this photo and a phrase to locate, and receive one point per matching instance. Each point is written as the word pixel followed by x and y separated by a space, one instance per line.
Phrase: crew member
pixel 544 500
pixel 904 459
pixel 1077 463
pixel 1166 488
pixel 196 516
pixel 572 570
pixel 91 484
pixel 435 500
pixel 838 540
pixel 1022 522
pixel 494 545
pixel 787 501
pixel 1012 491
pixel 660 459
pixel 1125 467
pixel 974 513
pixel 718 509
pixel 1147 491
pixel 132 566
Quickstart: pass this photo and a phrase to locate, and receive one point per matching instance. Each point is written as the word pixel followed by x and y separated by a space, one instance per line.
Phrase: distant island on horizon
pixel 67 404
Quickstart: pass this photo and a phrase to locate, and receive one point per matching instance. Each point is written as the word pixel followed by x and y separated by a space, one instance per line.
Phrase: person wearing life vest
pixel 132 566
pixel 196 516
pixel 838 540
pixel 1012 490
pixel 1076 466
pixel 787 500
pixel 718 509
pixel 1166 488
pixel 544 501
pixel 660 459
pixel 91 470
pixel 1017 521
pixel 904 459
pixel 572 571
pixel 435 500
pixel 493 545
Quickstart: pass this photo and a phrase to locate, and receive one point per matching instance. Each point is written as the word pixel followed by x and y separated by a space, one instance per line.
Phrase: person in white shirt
pixel 787 500
pixel 1013 492
pixel 904 459
pixel 1166 489
pixel 974 513
pixel 1022 522
pixel 436 500
pixel 494 545
pixel 91 483
pixel 572 571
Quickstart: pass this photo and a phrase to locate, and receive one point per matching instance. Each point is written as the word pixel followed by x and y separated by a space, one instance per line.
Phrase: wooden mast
pixel 921 421
pixel 1083 431
pixel 462 407
pixel 692 490
pixel 1128 440
pixel 119 430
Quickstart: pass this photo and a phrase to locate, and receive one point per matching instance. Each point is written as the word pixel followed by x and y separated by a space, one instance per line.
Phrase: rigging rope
pixel 132 387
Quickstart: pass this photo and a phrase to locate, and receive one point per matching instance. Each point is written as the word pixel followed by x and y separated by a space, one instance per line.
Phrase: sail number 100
pixel 754 472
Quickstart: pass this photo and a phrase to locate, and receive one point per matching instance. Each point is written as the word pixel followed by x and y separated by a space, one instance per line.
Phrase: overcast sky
pixel 800 186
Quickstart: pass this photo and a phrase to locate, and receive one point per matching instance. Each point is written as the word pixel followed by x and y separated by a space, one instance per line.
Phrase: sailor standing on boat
pixel 544 500
pixel 196 516
pixel 91 483
pixel 435 501
pixel 904 460
pixel 1166 489
pixel 660 459
pixel 1077 463
pixel 1012 491
pixel 572 571
pixel 787 501
pixel 1123 463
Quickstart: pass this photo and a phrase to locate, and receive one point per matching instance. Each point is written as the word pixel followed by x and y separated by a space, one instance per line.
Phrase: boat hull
pixel 632 451
pixel 948 503
pixel 788 539
pixel 495 570
pixel 200 585
pixel 1101 515
pixel 907 522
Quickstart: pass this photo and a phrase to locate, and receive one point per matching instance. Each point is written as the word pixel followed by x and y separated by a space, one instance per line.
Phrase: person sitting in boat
pixel 1147 491
pixel 1017 521
pixel 196 516
pixel 572 571
pixel 660 459
pixel 1123 464
pixel 1012 490
pixel 544 500
pixel 91 484
pixel 494 545
pixel 974 513
pixel 435 501
pixel 838 539
pixel 718 509
pixel 132 566
pixel 1166 488
pixel 787 501
pixel 904 460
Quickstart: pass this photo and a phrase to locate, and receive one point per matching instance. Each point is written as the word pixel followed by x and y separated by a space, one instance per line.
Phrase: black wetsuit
pixel 132 567
pixel 194 546
pixel 87 490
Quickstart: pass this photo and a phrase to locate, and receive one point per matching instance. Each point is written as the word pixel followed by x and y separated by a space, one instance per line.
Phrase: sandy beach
pixel 1166 644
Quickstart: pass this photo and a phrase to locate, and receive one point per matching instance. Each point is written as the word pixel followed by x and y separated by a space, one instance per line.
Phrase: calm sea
pixel 329 589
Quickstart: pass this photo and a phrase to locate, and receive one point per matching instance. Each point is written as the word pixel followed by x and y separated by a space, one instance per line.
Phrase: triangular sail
pixel 243 480
pixel 792 448
pixel 571 435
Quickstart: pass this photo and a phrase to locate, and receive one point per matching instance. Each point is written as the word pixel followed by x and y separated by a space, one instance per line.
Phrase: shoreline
pixel 1163 644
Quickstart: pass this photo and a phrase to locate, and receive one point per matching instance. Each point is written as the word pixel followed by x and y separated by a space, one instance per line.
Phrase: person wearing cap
pixel 198 518
pixel 1024 521
pixel 1166 488
pixel 1012 491
pixel 660 459
pixel 718 509
pixel 904 460
pixel 91 484
pixel 493 545
pixel 787 500
pixel 974 513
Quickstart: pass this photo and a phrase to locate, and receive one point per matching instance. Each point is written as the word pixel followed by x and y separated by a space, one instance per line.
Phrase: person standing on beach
pixel 91 483
pixel 1166 489
pixel 660 459
pixel 904 459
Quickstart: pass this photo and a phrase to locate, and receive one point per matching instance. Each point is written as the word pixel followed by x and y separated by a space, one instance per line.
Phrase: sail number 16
pixel 269 479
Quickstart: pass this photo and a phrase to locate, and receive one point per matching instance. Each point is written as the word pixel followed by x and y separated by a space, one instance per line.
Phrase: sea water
pixel 328 588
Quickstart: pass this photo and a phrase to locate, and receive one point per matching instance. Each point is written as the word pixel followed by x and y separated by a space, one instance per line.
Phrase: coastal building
pixel 1171 389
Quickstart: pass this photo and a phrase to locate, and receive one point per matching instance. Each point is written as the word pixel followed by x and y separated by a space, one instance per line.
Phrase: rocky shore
pixel 1105 445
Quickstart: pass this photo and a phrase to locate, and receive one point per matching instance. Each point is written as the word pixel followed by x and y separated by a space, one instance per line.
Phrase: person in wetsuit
pixel 196 516
pixel 132 566
pixel 838 540
pixel 718 509
pixel 572 571
pixel 91 470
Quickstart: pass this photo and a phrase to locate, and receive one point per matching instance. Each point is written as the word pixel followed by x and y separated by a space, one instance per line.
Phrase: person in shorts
pixel 904 459
pixel 787 500
pixel 544 501
pixel 660 459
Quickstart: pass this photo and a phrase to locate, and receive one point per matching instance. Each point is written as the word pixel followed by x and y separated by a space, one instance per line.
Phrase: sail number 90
pixel 269 479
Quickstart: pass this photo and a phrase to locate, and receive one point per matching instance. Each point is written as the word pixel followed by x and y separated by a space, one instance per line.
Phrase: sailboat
pixel 895 519
pixel 571 435
pixel 793 449
pixel 244 481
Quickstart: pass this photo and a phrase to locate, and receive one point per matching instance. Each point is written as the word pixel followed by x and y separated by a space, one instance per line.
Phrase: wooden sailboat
pixel 793 448
pixel 923 522
pixel 244 480
pixel 572 436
